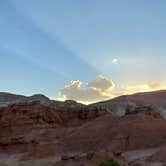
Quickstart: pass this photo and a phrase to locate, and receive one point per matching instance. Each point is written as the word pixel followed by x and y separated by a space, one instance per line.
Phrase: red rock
pixel 85 137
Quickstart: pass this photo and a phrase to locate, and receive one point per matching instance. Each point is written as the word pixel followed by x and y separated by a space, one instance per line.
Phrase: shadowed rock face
pixel 36 114
pixel 7 99
pixel 139 131
pixel 116 106
pixel 17 120
pixel 34 133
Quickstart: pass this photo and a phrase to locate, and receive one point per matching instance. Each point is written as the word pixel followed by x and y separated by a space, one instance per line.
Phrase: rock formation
pixel 39 132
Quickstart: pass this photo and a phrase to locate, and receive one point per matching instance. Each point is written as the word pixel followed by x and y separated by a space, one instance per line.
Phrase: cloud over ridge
pixel 102 88
pixel 96 90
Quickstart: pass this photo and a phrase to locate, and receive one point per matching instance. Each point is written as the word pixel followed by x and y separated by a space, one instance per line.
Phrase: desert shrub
pixel 109 163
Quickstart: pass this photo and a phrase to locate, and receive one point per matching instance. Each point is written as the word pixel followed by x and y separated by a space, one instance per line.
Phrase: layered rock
pixel 17 120
pixel 7 99
pixel 136 131
pixel 37 133
pixel 119 105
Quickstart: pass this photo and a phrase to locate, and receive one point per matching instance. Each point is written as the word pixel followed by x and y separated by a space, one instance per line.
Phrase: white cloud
pixel 115 61
pixel 102 88
pixel 102 83
pixel 96 90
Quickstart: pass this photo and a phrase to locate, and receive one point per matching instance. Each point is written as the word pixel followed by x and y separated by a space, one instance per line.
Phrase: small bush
pixel 109 163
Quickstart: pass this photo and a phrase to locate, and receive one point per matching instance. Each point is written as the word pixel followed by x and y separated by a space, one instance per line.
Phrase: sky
pixel 84 50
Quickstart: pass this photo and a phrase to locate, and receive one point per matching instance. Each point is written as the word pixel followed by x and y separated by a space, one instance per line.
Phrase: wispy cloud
pixel 144 87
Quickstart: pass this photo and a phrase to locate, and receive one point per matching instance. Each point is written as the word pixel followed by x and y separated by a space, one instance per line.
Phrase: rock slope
pixel 118 106
pixel 34 133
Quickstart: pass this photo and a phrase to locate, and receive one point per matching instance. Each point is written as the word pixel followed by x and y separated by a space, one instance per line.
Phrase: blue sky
pixel 44 44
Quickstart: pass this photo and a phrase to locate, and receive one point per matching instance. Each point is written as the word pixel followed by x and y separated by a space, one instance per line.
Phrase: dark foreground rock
pixel 34 134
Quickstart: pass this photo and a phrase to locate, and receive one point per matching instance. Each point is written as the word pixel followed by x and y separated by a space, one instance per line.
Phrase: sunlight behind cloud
pixel 102 88
pixel 145 87
pixel 96 90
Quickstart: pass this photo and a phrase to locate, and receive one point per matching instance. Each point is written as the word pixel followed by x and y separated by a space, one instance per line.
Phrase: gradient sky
pixel 44 44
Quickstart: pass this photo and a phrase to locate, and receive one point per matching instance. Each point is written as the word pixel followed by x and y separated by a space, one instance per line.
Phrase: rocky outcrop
pixel 17 120
pixel 136 131
pixel 7 99
pixel 39 132
pixel 119 105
